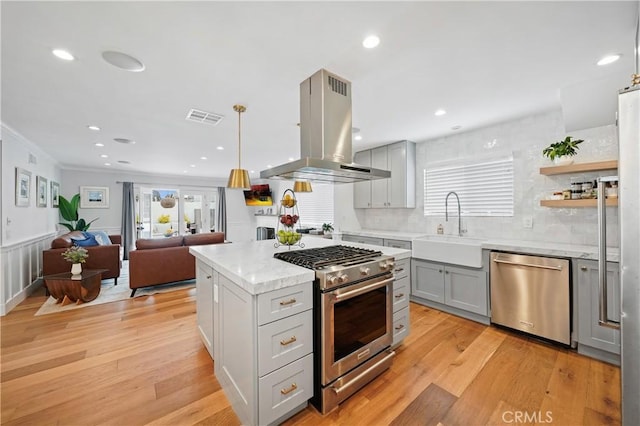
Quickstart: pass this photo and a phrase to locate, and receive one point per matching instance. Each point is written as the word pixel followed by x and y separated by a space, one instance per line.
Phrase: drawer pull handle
pixel 288 391
pixel 208 277
pixel 288 342
pixel 288 302
pixel 398 296
pixel 399 327
pixel 583 268
pixel 399 270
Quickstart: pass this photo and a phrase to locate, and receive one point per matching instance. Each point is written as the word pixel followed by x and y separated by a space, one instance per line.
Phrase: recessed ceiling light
pixel 124 140
pixel 123 61
pixel 107 164
pixel 63 54
pixel 94 128
pixel 99 144
pixel 440 112
pixel 203 158
pixel 104 156
pixel 358 137
pixel 184 171
pixel 609 59
pixel 252 171
pixel 371 41
pixel 220 148
pixel 192 165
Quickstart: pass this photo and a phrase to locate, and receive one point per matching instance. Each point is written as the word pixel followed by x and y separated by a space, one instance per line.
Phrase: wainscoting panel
pixel 21 269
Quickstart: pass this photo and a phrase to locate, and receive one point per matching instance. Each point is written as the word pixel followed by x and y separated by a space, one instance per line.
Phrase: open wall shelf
pixel 580 167
pixel 611 202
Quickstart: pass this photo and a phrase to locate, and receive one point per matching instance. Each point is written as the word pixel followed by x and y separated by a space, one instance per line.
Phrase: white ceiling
pixel 484 62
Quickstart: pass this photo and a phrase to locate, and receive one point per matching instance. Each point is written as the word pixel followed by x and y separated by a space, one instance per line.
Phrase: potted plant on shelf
pixel 77 256
pixel 561 152
pixel 327 229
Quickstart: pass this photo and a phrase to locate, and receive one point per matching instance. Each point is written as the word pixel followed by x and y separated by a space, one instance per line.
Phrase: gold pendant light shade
pixel 239 178
pixel 302 186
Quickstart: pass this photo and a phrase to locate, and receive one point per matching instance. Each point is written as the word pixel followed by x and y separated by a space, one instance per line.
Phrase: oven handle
pixel 355 380
pixel 338 295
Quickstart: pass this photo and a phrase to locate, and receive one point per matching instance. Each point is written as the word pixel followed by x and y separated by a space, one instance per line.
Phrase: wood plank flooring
pixel 140 361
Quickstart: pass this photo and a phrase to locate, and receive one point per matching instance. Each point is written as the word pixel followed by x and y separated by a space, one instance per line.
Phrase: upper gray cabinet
pixel 399 191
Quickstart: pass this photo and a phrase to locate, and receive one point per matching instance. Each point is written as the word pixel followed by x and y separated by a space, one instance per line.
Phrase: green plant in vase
pixel 561 151
pixel 69 212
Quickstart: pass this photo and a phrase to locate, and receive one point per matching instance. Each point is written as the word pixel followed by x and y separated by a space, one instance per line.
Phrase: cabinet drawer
pixel 284 341
pixel 285 389
pixel 402 268
pixel 284 302
pixel 401 289
pixel 401 244
pixel 400 325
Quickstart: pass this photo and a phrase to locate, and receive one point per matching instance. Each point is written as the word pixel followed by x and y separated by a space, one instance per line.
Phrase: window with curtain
pixel 316 207
pixel 485 188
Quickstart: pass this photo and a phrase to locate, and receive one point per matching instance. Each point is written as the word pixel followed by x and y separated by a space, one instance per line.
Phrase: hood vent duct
pixel 325 135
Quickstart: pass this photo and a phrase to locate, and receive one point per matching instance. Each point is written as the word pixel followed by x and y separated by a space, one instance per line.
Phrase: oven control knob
pixel 364 271
pixel 343 278
pixel 387 265
pixel 333 279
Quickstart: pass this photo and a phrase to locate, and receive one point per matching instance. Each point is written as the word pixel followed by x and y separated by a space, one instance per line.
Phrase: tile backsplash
pixel 524 139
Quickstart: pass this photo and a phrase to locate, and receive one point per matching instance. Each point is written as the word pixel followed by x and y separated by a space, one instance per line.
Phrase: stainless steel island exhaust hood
pixel 325 135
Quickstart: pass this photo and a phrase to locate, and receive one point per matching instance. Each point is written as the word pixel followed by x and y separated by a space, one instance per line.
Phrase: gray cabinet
pixel 264 359
pixel 396 192
pixel 401 293
pixel 204 305
pixel 459 287
pixel 594 339
pixel 363 240
pixel 401 244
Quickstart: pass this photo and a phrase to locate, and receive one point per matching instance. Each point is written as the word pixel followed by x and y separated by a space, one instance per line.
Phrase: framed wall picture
pixel 41 191
pixel 94 197
pixel 55 194
pixel 23 187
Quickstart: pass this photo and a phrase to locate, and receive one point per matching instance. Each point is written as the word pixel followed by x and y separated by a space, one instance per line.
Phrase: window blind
pixel 484 188
pixel 316 208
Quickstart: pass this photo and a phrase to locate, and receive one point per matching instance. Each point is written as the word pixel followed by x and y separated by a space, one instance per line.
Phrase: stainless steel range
pixel 352 318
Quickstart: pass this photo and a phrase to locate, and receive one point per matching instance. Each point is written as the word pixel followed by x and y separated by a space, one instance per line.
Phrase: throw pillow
pixel 101 237
pixel 88 240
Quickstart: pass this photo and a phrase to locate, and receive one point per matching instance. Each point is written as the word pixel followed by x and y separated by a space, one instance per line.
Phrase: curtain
pixel 222 211
pixel 128 218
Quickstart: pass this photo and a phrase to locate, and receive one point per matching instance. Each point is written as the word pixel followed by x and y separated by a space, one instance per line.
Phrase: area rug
pixel 113 293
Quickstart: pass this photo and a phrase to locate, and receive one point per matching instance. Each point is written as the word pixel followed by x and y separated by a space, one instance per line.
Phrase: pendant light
pixel 302 186
pixel 239 178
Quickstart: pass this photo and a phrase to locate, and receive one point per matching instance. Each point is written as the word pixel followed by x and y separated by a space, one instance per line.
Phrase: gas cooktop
pixel 323 257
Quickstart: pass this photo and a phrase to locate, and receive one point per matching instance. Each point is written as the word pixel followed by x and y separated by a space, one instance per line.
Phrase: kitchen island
pixel 255 318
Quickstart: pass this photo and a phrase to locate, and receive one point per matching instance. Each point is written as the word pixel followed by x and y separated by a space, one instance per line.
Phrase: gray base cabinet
pixel 377 241
pixel 594 339
pixel 459 287
pixel 401 293
pixel 262 345
pixel 204 305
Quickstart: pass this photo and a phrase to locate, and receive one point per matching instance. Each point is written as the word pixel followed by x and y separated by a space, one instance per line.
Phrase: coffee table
pixel 67 290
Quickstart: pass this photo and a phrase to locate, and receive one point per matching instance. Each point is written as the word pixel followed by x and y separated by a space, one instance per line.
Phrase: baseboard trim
pixel 20 297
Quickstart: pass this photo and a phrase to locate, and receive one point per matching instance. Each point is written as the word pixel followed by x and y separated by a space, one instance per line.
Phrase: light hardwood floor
pixel 140 361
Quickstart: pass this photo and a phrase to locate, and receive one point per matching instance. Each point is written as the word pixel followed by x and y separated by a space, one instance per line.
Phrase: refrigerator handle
pixel 602 253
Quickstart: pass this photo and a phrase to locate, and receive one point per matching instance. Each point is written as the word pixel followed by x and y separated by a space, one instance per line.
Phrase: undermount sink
pixel 449 249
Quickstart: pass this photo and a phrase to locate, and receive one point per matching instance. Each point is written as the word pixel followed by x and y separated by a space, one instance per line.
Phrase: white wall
pixel 525 138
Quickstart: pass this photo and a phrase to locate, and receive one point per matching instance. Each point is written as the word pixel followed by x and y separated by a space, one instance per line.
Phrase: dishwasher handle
pixel 530 265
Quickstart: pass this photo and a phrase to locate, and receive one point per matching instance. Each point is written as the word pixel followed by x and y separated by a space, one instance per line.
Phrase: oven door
pixel 356 324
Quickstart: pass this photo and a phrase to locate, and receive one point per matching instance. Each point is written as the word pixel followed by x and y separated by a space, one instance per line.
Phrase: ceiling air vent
pixel 204 117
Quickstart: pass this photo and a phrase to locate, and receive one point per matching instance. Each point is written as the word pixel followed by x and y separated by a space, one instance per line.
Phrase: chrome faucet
pixel 446 211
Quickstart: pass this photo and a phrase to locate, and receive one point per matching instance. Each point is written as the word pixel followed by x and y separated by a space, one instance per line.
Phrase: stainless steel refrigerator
pixel 629 228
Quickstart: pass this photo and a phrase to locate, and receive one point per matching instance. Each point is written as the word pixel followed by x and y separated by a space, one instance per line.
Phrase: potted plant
pixel 561 152
pixel 327 229
pixel 76 255
pixel 69 212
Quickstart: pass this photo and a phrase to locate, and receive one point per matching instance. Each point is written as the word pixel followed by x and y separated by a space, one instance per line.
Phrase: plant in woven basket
pixel 75 254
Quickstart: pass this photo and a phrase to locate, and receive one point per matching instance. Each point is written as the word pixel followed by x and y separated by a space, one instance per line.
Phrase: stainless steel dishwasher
pixel 531 294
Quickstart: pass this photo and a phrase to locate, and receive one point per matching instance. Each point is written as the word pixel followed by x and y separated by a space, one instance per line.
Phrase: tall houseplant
pixel 69 212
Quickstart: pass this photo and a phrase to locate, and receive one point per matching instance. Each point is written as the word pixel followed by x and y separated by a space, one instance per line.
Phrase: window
pixel 316 208
pixel 484 188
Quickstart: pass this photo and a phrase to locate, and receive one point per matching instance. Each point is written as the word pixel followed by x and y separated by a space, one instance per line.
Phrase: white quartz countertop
pixel 251 265
pixel 542 248
pixel 397 235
